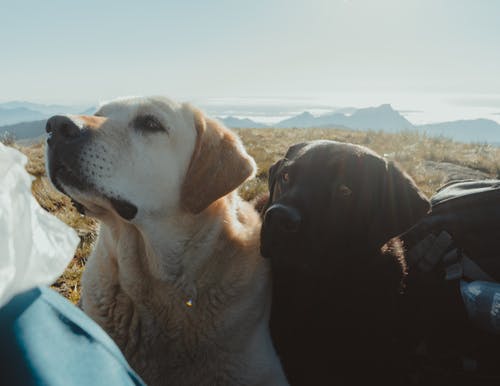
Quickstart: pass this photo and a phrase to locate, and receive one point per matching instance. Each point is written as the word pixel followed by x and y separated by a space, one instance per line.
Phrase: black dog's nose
pixel 62 126
pixel 283 218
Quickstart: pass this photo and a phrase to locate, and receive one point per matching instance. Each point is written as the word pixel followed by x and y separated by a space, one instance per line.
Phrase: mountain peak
pixel 383 117
pixel 241 123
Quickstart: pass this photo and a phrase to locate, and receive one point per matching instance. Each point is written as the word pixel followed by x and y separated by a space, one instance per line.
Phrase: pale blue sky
pixel 82 51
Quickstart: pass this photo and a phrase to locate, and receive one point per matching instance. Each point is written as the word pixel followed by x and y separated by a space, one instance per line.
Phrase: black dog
pixel 337 279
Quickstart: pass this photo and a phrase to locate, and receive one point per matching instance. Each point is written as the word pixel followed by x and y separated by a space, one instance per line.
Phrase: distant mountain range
pixel 16 112
pixel 241 123
pixel 25 120
pixel 473 130
pixel 25 130
pixel 387 119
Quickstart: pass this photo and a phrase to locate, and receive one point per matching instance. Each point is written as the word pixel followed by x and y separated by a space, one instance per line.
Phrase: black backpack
pixel 470 212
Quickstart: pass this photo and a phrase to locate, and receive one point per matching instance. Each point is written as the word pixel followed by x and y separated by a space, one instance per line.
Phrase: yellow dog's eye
pixel 148 124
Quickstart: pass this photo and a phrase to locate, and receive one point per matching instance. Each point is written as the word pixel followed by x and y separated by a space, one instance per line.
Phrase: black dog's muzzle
pixel 280 218
pixel 279 229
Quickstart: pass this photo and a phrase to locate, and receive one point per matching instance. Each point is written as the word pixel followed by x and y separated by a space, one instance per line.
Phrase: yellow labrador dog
pixel 176 277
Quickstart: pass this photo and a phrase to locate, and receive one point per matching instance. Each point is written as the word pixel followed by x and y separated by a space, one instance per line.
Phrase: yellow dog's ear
pixel 218 166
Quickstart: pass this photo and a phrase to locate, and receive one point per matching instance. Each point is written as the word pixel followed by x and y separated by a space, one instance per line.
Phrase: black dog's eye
pixel 285 177
pixel 149 124
pixel 345 190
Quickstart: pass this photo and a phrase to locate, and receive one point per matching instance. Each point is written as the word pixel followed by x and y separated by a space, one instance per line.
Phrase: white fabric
pixel 35 246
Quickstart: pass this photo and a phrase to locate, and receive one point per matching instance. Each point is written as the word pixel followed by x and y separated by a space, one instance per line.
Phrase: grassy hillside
pixel 431 162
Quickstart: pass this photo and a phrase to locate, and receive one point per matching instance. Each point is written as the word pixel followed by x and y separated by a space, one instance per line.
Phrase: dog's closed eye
pixel 148 124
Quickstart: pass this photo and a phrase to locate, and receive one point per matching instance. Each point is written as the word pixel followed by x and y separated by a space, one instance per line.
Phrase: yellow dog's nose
pixel 65 128
pixel 62 126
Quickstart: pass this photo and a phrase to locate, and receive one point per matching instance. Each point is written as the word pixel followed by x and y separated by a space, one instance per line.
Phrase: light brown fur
pixel 217 167
pixel 166 341
pixel 92 121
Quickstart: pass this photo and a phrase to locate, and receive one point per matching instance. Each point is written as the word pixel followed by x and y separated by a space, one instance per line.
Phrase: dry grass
pixel 409 149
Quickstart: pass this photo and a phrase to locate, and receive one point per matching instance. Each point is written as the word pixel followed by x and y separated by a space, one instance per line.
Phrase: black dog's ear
pixel 291 154
pixel 271 182
pixel 402 205
pixel 273 171
pixel 294 149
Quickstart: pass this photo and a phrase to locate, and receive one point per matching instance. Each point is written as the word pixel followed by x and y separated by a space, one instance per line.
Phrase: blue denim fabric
pixel 46 340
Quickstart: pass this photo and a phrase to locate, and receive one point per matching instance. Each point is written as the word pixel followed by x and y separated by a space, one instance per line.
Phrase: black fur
pixel 344 311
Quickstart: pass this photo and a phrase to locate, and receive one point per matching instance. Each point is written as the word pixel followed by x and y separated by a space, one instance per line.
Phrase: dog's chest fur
pixel 198 330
